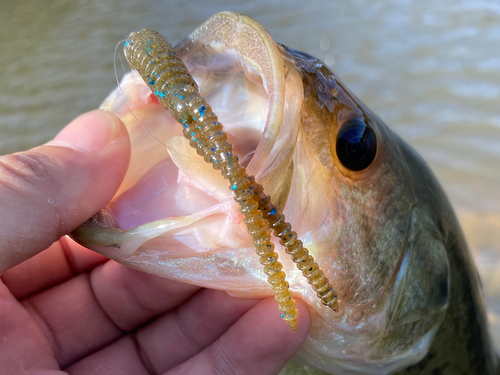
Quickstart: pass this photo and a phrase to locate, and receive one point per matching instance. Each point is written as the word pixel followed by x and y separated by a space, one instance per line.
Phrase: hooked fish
pixel 365 205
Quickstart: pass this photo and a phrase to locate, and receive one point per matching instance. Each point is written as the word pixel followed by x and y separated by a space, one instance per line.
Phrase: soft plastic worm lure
pixel 153 57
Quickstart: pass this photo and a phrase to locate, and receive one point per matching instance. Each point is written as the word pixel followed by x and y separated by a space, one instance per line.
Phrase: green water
pixel 430 69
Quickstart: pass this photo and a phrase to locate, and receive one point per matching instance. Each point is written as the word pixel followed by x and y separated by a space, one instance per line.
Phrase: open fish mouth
pixel 170 200
pixel 174 216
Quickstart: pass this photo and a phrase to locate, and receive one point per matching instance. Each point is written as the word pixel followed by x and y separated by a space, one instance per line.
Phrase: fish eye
pixel 356 144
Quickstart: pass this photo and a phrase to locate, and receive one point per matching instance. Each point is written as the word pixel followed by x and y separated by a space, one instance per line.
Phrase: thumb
pixel 48 191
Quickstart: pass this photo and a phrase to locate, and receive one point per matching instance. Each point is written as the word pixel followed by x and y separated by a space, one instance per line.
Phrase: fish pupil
pixel 356 144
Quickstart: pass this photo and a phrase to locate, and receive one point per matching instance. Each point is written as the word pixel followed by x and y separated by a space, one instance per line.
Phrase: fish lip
pixel 251 41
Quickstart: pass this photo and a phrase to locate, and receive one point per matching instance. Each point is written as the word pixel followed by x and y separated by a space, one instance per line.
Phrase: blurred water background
pixel 430 69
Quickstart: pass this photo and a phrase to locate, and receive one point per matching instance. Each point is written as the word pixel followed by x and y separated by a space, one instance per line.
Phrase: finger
pixel 185 331
pixel 71 320
pixel 106 362
pixel 259 343
pixel 48 191
pixel 23 348
pixel 131 298
pixel 170 339
pixel 91 311
pixel 59 263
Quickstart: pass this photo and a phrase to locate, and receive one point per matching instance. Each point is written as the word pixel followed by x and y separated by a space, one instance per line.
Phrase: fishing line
pixel 121 43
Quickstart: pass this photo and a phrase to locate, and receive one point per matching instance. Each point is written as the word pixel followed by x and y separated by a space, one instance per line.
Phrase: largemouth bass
pixel 363 202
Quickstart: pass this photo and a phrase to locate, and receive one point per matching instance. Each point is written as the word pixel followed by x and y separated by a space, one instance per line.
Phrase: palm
pixel 68 308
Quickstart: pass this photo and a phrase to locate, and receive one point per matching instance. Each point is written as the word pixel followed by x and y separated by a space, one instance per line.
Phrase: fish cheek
pixel 419 299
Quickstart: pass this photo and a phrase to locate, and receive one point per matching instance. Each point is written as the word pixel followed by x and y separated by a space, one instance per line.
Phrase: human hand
pixel 67 308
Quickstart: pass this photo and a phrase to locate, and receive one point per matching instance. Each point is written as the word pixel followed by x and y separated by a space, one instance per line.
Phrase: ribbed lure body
pixel 154 58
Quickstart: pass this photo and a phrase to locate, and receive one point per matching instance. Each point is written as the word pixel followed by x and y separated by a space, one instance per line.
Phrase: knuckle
pixel 25 171
pixel 221 361
pixel 190 337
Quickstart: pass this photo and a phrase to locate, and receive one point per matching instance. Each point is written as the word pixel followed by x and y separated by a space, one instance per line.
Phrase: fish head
pixel 364 204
